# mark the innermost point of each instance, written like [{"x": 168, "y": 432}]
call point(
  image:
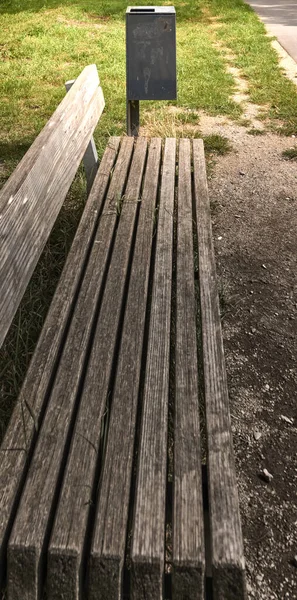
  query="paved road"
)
[{"x": 280, "y": 18}]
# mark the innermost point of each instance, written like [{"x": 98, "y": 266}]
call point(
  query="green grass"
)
[
  {"x": 255, "y": 131},
  {"x": 290, "y": 153},
  {"x": 42, "y": 48},
  {"x": 43, "y": 43},
  {"x": 244, "y": 35},
  {"x": 216, "y": 144}
]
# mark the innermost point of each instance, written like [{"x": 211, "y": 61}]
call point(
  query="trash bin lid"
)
[{"x": 160, "y": 10}]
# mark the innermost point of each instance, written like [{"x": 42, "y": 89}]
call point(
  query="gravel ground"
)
[{"x": 253, "y": 194}]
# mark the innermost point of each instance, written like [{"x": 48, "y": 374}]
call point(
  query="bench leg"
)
[{"x": 133, "y": 117}]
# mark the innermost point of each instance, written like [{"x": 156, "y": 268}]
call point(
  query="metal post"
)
[{"x": 133, "y": 117}]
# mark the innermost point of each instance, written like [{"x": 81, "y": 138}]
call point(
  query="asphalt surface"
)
[{"x": 280, "y": 18}]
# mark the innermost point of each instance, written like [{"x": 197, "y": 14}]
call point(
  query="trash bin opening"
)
[{"x": 142, "y": 10}]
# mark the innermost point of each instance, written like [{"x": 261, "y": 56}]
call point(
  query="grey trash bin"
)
[{"x": 150, "y": 56}]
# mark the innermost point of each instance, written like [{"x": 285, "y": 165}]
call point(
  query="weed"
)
[
  {"x": 290, "y": 153},
  {"x": 288, "y": 129},
  {"x": 224, "y": 298},
  {"x": 189, "y": 117},
  {"x": 119, "y": 204},
  {"x": 216, "y": 144},
  {"x": 214, "y": 206},
  {"x": 255, "y": 131},
  {"x": 243, "y": 122}
]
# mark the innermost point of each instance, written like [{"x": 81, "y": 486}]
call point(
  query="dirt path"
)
[{"x": 253, "y": 193}]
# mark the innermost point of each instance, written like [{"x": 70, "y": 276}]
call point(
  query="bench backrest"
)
[{"x": 31, "y": 199}]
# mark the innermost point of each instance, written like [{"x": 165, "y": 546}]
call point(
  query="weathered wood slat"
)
[
  {"x": 226, "y": 535},
  {"x": 108, "y": 547},
  {"x": 188, "y": 538},
  {"x": 31, "y": 199},
  {"x": 90, "y": 158},
  {"x": 25, "y": 422},
  {"x": 33, "y": 521},
  {"x": 149, "y": 517},
  {"x": 82, "y": 93},
  {"x": 70, "y": 529},
  {"x": 57, "y": 421}
]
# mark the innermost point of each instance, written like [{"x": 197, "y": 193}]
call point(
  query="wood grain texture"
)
[
  {"x": 73, "y": 412},
  {"x": 70, "y": 529},
  {"x": 90, "y": 157},
  {"x": 31, "y": 527},
  {"x": 226, "y": 536},
  {"x": 26, "y": 418},
  {"x": 188, "y": 538},
  {"x": 108, "y": 547},
  {"x": 149, "y": 516},
  {"x": 88, "y": 83},
  {"x": 33, "y": 196}
]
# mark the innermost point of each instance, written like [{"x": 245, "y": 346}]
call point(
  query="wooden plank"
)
[
  {"x": 226, "y": 536},
  {"x": 68, "y": 539},
  {"x": 21, "y": 433},
  {"x": 90, "y": 157},
  {"x": 33, "y": 196},
  {"x": 33, "y": 521},
  {"x": 188, "y": 535},
  {"x": 87, "y": 85},
  {"x": 108, "y": 547},
  {"x": 149, "y": 517}
]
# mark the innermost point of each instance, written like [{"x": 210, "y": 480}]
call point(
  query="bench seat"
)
[{"x": 103, "y": 466}]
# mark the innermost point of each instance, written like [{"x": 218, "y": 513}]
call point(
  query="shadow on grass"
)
[
  {"x": 10, "y": 155},
  {"x": 15, "y": 151},
  {"x": 186, "y": 9}
]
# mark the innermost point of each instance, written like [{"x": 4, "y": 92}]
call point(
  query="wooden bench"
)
[{"x": 101, "y": 480}]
